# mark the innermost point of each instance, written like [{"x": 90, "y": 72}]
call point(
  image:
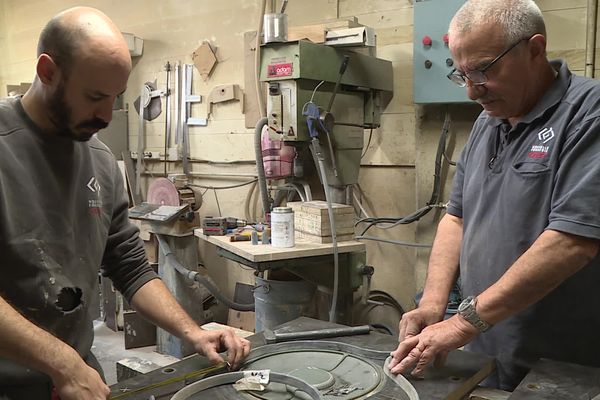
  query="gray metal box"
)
[{"x": 430, "y": 85}]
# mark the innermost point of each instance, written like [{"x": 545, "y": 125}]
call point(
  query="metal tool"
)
[
  {"x": 195, "y": 375},
  {"x": 277, "y": 337},
  {"x": 218, "y": 226}
]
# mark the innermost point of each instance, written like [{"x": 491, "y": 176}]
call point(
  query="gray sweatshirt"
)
[{"x": 63, "y": 215}]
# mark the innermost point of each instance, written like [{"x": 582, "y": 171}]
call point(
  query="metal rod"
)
[{"x": 168, "y": 111}]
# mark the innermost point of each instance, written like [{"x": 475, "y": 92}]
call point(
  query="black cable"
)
[
  {"x": 224, "y": 187},
  {"x": 398, "y": 242},
  {"x": 435, "y": 192},
  {"x": 385, "y": 297},
  {"x": 217, "y": 201},
  {"x": 368, "y": 144}
]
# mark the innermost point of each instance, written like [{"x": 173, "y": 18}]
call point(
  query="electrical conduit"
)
[{"x": 203, "y": 280}]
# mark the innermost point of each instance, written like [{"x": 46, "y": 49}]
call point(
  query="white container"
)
[
  {"x": 275, "y": 28},
  {"x": 282, "y": 227}
]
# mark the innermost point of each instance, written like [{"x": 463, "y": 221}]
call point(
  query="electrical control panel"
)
[{"x": 432, "y": 61}]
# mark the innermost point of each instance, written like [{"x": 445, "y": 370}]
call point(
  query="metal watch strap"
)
[{"x": 467, "y": 310}]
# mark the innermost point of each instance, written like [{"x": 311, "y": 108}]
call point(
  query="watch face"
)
[{"x": 466, "y": 303}]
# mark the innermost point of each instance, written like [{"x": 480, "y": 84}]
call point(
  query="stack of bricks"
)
[{"x": 311, "y": 221}]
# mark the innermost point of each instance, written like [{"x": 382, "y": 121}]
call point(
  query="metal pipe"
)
[
  {"x": 168, "y": 113},
  {"x": 205, "y": 175},
  {"x": 590, "y": 38}
]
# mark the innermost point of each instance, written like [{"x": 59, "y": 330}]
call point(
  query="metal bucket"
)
[
  {"x": 277, "y": 302},
  {"x": 275, "y": 27}
]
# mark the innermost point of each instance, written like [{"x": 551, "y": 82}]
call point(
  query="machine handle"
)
[
  {"x": 339, "y": 80},
  {"x": 277, "y": 337}
]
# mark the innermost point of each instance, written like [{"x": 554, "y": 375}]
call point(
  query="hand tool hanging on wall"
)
[
  {"x": 184, "y": 74},
  {"x": 168, "y": 116},
  {"x": 148, "y": 106}
]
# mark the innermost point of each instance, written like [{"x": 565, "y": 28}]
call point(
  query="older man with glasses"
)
[{"x": 522, "y": 227}]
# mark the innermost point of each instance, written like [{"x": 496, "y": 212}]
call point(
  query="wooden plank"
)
[
  {"x": 314, "y": 33},
  {"x": 264, "y": 252},
  {"x": 134, "y": 197},
  {"x": 251, "y": 109},
  {"x": 324, "y": 239},
  {"x": 551, "y": 5},
  {"x": 358, "y": 7}
]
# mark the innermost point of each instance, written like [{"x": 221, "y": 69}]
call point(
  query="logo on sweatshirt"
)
[
  {"x": 546, "y": 135},
  {"x": 95, "y": 202},
  {"x": 93, "y": 185},
  {"x": 541, "y": 150}
]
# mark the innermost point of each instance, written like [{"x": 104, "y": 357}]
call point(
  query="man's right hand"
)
[{"x": 79, "y": 381}]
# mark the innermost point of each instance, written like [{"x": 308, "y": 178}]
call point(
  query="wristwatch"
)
[{"x": 467, "y": 310}]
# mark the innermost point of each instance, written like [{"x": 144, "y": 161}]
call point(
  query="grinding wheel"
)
[{"x": 162, "y": 191}]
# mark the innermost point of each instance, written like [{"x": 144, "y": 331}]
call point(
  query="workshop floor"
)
[{"x": 108, "y": 347}]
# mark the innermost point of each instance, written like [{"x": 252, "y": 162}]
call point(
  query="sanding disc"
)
[{"x": 162, "y": 191}]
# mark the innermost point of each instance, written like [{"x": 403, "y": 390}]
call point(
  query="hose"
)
[
  {"x": 260, "y": 168},
  {"x": 320, "y": 160},
  {"x": 203, "y": 280}
]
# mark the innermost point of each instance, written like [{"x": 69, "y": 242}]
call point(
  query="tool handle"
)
[
  {"x": 321, "y": 333},
  {"x": 343, "y": 67}
]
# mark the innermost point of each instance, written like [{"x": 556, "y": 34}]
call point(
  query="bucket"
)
[{"x": 277, "y": 302}]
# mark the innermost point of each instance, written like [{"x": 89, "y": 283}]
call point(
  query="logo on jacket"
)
[
  {"x": 93, "y": 185},
  {"x": 94, "y": 204},
  {"x": 546, "y": 135},
  {"x": 539, "y": 150}
]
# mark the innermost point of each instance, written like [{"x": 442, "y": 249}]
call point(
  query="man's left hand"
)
[
  {"x": 210, "y": 343},
  {"x": 431, "y": 346}
]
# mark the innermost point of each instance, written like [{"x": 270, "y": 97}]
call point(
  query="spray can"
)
[{"x": 282, "y": 227}]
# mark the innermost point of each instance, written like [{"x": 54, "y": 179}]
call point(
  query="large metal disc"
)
[{"x": 162, "y": 191}]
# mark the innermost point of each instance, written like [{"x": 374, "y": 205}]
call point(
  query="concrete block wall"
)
[{"x": 397, "y": 170}]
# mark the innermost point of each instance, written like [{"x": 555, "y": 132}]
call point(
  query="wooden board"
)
[
  {"x": 323, "y": 239},
  {"x": 265, "y": 252},
  {"x": 251, "y": 108}
]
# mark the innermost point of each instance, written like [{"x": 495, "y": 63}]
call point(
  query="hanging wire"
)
[
  {"x": 224, "y": 187},
  {"x": 391, "y": 222}
]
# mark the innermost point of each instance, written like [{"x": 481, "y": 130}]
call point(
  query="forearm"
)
[
  {"x": 25, "y": 343},
  {"x": 552, "y": 258},
  {"x": 156, "y": 303},
  {"x": 443, "y": 263}
]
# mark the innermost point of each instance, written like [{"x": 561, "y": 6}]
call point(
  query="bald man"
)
[{"x": 63, "y": 214}]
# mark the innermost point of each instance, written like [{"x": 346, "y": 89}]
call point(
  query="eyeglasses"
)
[{"x": 478, "y": 76}]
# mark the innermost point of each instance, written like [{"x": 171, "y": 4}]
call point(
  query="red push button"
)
[
  {"x": 446, "y": 39},
  {"x": 426, "y": 40}
]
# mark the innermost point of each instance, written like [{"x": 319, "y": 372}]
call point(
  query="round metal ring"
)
[{"x": 232, "y": 377}]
